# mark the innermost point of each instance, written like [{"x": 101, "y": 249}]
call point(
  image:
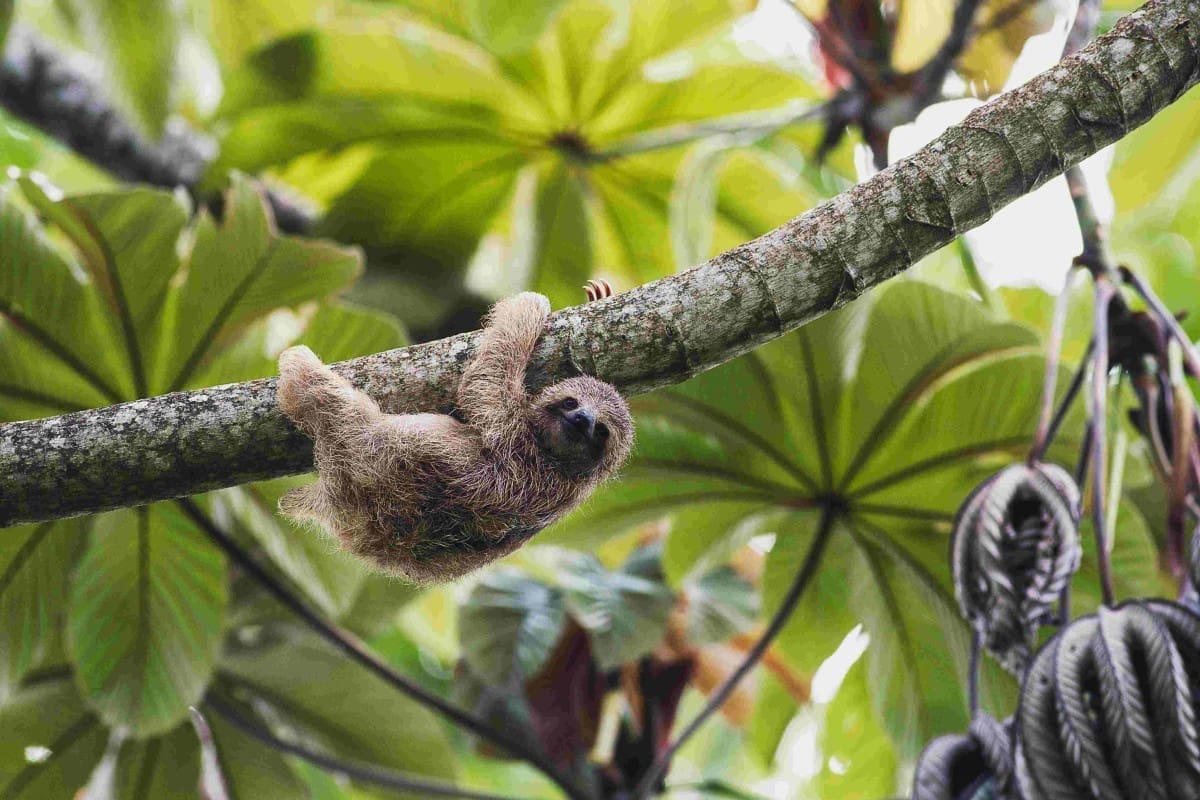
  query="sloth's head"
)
[{"x": 583, "y": 427}]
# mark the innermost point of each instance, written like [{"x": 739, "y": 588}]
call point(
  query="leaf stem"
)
[
  {"x": 742, "y": 128},
  {"x": 808, "y": 569},
  {"x": 360, "y": 653}
]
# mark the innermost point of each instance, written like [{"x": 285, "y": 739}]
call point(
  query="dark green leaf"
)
[
  {"x": 508, "y": 627},
  {"x": 625, "y": 615},
  {"x": 34, "y": 565},
  {"x": 49, "y": 742},
  {"x": 720, "y": 605}
]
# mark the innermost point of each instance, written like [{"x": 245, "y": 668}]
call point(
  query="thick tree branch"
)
[{"x": 665, "y": 331}]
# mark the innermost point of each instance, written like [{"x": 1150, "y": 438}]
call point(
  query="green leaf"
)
[
  {"x": 129, "y": 242},
  {"x": 625, "y": 615},
  {"x": 59, "y": 351},
  {"x": 561, "y": 242},
  {"x": 509, "y": 27},
  {"x": 6, "y": 13},
  {"x": 434, "y": 147},
  {"x": 49, "y": 742},
  {"x": 858, "y": 759},
  {"x": 145, "y": 617},
  {"x": 137, "y": 44},
  {"x": 34, "y": 564},
  {"x": 720, "y": 605},
  {"x": 508, "y": 627},
  {"x": 1151, "y": 159},
  {"x": 774, "y": 708},
  {"x": 1136, "y": 566},
  {"x": 328, "y": 702},
  {"x": 240, "y": 26},
  {"x": 166, "y": 767},
  {"x": 236, "y": 273}
]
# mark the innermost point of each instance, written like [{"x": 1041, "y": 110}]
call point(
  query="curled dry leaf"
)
[
  {"x": 975, "y": 764},
  {"x": 1015, "y": 548},
  {"x": 1109, "y": 707}
]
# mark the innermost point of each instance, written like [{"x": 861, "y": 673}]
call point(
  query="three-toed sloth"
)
[{"x": 430, "y": 497}]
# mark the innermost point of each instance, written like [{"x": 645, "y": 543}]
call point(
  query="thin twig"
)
[
  {"x": 366, "y": 773},
  {"x": 932, "y": 75},
  {"x": 717, "y": 699},
  {"x": 360, "y": 653}
]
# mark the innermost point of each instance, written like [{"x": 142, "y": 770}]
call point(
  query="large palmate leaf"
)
[
  {"x": 145, "y": 617},
  {"x": 429, "y": 133},
  {"x": 887, "y": 413}
]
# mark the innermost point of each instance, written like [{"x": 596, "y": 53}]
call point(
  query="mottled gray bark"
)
[{"x": 660, "y": 333}]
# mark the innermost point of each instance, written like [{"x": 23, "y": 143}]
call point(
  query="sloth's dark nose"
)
[{"x": 583, "y": 420}]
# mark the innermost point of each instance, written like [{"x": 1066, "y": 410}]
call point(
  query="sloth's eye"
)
[
  {"x": 570, "y": 404},
  {"x": 601, "y": 431}
]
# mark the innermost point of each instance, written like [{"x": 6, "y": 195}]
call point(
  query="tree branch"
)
[
  {"x": 660, "y": 333},
  {"x": 42, "y": 86}
]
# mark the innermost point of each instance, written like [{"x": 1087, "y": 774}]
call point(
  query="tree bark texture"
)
[{"x": 660, "y": 333}]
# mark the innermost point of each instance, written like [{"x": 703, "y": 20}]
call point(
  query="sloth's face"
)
[{"x": 583, "y": 427}]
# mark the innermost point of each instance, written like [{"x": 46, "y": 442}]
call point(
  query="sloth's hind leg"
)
[
  {"x": 307, "y": 503},
  {"x": 316, "y": 398}
]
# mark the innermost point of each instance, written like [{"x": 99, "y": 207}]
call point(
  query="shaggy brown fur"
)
[{"x": 432, "y": 498}]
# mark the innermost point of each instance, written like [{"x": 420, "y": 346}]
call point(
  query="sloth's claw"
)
[{"x": 598, "y": 289}]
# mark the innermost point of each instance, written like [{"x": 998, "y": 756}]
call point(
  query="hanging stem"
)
[
  {"x": 1181, "y": 464},
  {"x": 1105, "y": 292},
  {"x": 1053, "y": 351},
  {"x": 360, "y": 653},
  {"x": 807, "y": 570},
  {"x": 1069, "y": 398}
]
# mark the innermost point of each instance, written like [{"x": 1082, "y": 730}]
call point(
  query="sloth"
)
[{"x": 431, "y": 497}]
